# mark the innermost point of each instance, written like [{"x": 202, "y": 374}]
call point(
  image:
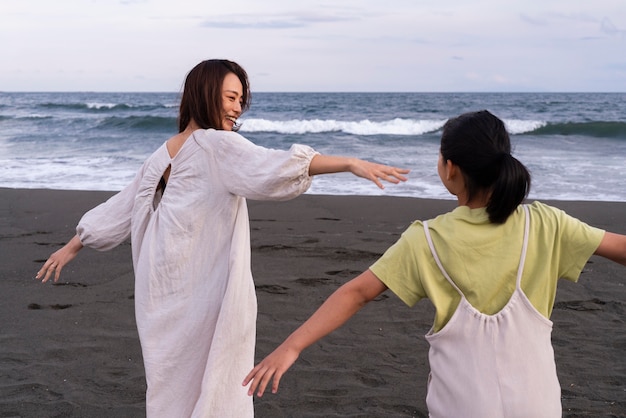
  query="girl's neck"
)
[{"x": 479, "y": 201}]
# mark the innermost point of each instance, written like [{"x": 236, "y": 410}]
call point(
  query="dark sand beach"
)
[{"x": 71, "y": 349}]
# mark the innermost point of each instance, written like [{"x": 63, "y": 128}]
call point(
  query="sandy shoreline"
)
[{"x": 71, "y": 349}]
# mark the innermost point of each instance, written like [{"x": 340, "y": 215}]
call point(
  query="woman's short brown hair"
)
[{"x": 202, "y": 95}]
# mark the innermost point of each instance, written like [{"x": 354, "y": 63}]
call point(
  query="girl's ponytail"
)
[
  {"x": 509, "y": 189},
  {"x": 479, "y": 144}
]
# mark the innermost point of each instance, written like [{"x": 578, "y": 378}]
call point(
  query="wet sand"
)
[{"x": 71, "y": 349}]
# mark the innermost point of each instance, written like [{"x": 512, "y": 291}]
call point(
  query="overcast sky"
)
[{"x": 308, "y": 45}]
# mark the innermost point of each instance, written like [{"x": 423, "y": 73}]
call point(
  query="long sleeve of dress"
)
[
  {"x": 259, "y": 173},
  {"x": 108, "y": 224}
]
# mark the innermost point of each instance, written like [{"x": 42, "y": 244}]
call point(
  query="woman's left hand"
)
[{"x": 377, "y": 172}]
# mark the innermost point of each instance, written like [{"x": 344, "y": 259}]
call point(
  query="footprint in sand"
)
[
  {"x": 57, "y": 306},
  {"x": 314, "y": 281},
  {"x": 272, "y": 288},
  {"x": 581, "y": 305}
]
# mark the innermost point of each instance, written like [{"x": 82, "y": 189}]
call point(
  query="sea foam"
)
[{"x": 364, "y": 127}]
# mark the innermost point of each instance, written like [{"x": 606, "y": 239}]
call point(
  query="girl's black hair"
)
[{"x": 479, "y": 144}]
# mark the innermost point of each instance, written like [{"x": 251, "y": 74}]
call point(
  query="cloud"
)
[
  {"x": 371, "y": 45},
  {"x": 557, "y": 18},
  {"x": 606, "y": 26},
  {"x": 533, "y": 20},
  {"x": 274, "y": 21},
  {"x": 617, "y": 66}
]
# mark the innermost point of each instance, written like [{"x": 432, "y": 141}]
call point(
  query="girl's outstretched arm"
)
[
  {"x": 613, "y": 247},
  {"x": 326, "y": 164},
  {"x": 334, "y": 312}
]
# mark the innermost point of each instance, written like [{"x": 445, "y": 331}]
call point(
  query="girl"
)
[
  {"x": 186, "y": 215},
  {"x": 490, "y": 268}
]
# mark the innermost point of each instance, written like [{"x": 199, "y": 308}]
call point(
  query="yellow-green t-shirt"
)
[{"x": 482, "y": 259}]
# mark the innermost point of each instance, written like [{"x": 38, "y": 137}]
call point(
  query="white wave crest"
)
[
  {"x": 95, "y": 105},
  {"x": 396, "y": 126},
  {"x": 518, "y": 126}
]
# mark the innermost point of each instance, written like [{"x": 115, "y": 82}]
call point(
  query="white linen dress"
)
[{"x": 195, "y": 302}]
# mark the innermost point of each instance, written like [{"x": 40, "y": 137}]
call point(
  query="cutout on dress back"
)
[{"x": 160, "y": 188}]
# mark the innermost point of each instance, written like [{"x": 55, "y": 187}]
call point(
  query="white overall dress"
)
[{"x": 493, "y": 366}]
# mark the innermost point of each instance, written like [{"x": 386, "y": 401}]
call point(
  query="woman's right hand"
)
[{"x": 58, "y": 260}]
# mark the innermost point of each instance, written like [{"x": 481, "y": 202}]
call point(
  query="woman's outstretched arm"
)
[
  {"x": 334, "y": 312},
  {"x": 327, "y": 164}
]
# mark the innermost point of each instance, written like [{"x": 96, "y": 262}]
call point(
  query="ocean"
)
[{"x": 573, "y": 143}]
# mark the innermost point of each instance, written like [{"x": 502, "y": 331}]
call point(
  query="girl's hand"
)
[
  {"x": 271, "y": 368},
  {"x": 334, "y": 312},
  {"x": 58, "y": 260}
]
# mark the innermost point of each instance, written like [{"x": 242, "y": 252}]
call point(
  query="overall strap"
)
[
  {"x": 522, "y": 260},
  {"x": 436, "y": 257}
]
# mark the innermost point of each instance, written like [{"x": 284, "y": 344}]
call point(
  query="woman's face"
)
[{"x": 232, "y": 97}]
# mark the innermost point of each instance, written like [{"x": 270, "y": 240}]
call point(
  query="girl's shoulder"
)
[
  {"x": 552, "y": 220},
  {"x": 543, "y": 213}
]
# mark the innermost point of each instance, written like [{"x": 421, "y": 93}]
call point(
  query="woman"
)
[
  {"x": 186, "y": 215},
  {"x": 490, "y": 268}
]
